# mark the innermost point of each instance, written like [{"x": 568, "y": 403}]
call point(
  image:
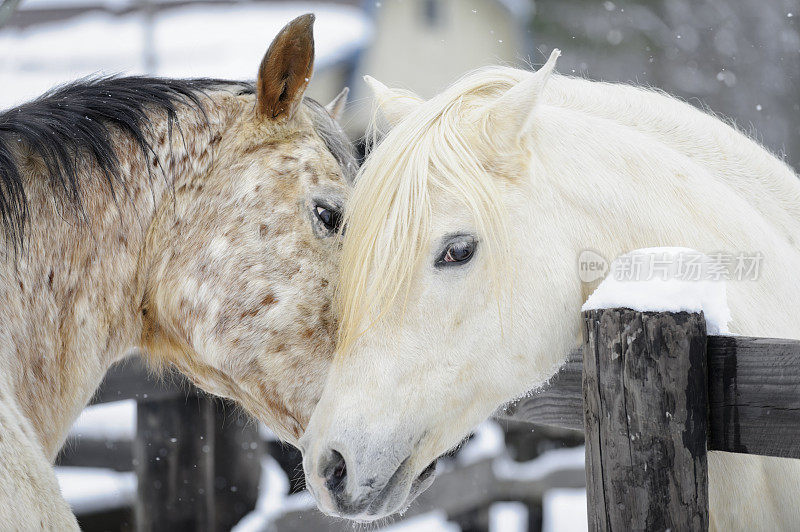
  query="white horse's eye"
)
[{"x": 457, "y": 252}]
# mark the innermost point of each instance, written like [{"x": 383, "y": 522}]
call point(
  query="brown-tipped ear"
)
[{"x": 286, "y": 69}]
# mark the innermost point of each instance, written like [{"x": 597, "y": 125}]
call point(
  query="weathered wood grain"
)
[
  {"x": 754, "y": 396},
  {"x": 559, "y": 403},
  {"x": 645, "y": 400}
]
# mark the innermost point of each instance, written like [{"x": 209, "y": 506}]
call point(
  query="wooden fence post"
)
[
  {"x": 173, "y": 456},
  {"x": 238, "y": 450},
  {"x": 194, "y": 473},
  {"x": 645, "y": 398}
]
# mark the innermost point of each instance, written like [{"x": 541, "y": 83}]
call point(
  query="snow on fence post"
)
[{"x": 646, "y": 419}]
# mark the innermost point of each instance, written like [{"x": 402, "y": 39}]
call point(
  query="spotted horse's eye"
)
[
  {"x": 331, "y": 218},
  {"x": 457, "y": 251}
]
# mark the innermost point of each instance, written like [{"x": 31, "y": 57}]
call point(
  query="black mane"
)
[{"x": 81, "y": 118}]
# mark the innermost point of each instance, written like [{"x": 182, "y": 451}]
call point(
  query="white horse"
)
[{"x": 459, "y": 286}]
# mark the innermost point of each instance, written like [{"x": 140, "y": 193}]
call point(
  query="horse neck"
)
[
  {"x": 714, "y": 147},
  {"x": 623, "y": 168},
  {"x": 73, "y": 300}
]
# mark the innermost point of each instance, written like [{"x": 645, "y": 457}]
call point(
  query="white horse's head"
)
[
  {"x": 459, "y": 284},
  {"x": 439, "y": 238}
]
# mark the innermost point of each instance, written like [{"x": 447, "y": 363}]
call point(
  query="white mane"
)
[
  {"x": 389, "y": 209},
  {"x": 709, "y": 142}
]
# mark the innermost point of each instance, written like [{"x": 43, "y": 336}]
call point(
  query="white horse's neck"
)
[
  {"x": 627, "y": 168},
  {"x": 724, "y": 152}
]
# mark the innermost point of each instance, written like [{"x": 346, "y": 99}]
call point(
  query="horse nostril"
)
[
  {"x": 428, "y": 471},
  {"x": 335, "y": 473}
]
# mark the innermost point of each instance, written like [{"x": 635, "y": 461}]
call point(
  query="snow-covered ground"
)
[
  {"x": 507, "y": 469},
  {"x": 89, "y": 489},
  {"x": 565, "y": 510},
  {"x": 224, "y": 41},
  {"x": 508, "y": 517},
  {"x": 110, "y": 5},
  {"x": 435, "y": 521}
]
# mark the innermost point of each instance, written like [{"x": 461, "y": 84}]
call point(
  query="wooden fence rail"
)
[{"x": 753, "y": 396}]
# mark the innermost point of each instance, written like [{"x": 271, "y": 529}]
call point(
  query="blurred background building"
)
[{"x": 739, "y": 59}]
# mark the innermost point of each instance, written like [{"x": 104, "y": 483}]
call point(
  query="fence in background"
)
[
  {"x": 197, "y": 459},
  {"x": 650, "y": 390},
  {"x": 197, "y": 463}
]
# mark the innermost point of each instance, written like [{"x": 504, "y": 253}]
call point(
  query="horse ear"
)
[
  {"x": 511, "y": 113},
  {"x": 286, "y": 69},
  {"x": 393, "y": 104},
  {"x": 336, "y": 107}
]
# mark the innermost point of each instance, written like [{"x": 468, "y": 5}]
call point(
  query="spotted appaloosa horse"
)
[
  {"x": 459, "y": 277},
  {"x": 193, "y": 220}
]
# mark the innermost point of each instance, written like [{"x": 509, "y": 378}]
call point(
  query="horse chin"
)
[{"x": 423, "y": 481}]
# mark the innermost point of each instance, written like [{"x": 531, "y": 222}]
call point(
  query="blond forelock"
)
[{"x": 443, "y": 147}]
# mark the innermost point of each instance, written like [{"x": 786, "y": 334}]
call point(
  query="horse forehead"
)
[
  {"x": 301, "y": 154},
  {"x": 449, "y": 211}
]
